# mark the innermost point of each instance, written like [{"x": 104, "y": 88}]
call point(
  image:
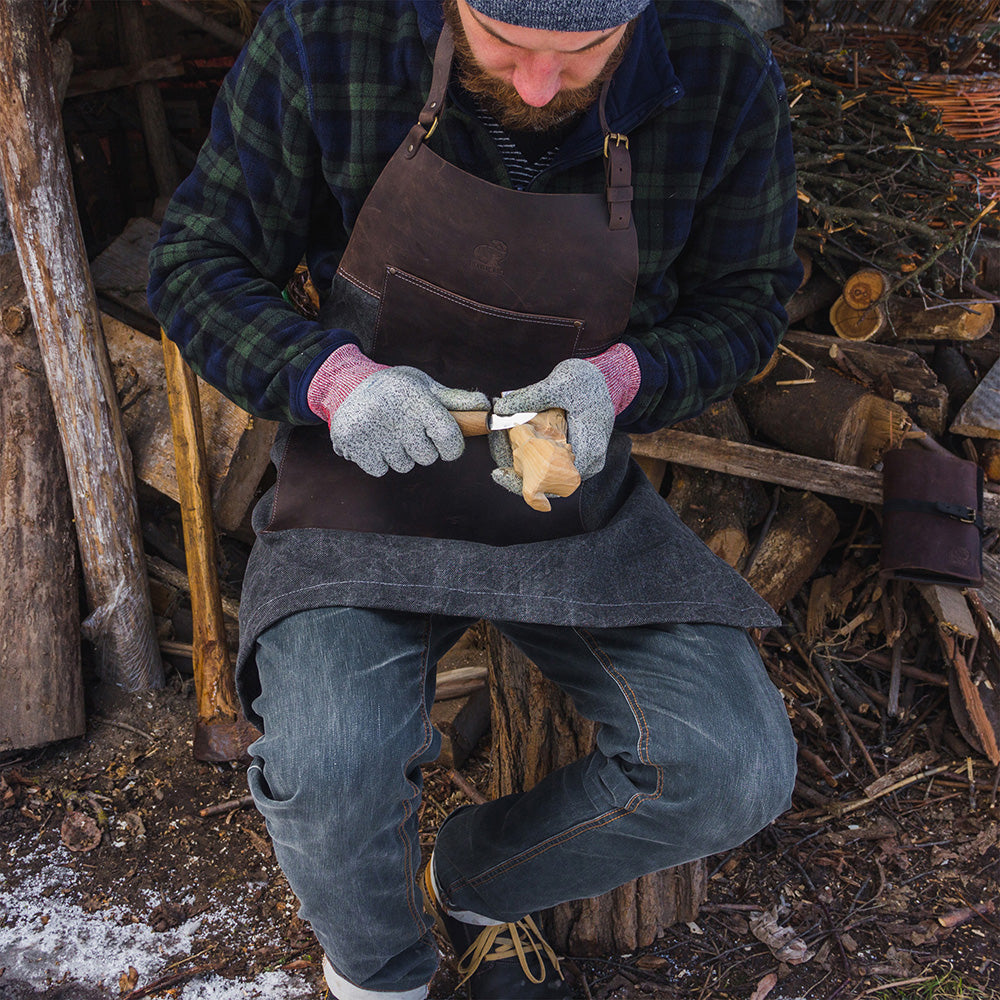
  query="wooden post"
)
[
  {"x": 41, "y": 687},
  {"x": 135, "y": 42},
  {"x": 37, "y": 182},
  {"x": 535, "y": 730}
]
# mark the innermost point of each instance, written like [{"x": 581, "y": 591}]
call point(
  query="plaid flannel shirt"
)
[{"x": 324, "y": 92}]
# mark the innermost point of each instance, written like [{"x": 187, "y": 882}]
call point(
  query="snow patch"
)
[{"x": 46, "y": 939}]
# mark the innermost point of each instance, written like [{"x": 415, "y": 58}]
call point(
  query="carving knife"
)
[{"x": 477, "y": 422}]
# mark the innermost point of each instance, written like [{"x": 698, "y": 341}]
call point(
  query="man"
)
[{"x": 587, "y": 206}]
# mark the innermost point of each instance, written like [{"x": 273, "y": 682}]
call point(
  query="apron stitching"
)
[
  {"x": 486, "y": 310},
  {"x": 357, "y": 282}
]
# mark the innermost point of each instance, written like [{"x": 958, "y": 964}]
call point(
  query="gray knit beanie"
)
[{"x": 561, "y": 15}]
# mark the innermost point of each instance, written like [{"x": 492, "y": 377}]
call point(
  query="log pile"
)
[{"x": 893, "y": 345}]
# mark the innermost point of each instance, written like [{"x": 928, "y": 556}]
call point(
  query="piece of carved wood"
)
[
  {"x": 535, "y": 730},
  {"x": 38, "y": 187},
  {"x": 221, "y": 732},
  {"x": 543, "y": 458},
  {"x": 41, "y": 685}
]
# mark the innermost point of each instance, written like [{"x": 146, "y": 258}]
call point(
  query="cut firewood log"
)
[
  {"x": 815, "y": 295},
  {"x": 237, "y": 445},
  {"x": 799, "y": 537},
  {"x": 951, "y": 367},
  {"x": 950, "y": 609},
  {"x": 980, "y": 415},
  {"x": 883, "y": 368},
  {"x": 910, "y": 320},
  {"x": 857, "y": 324},
  {"x": 824, "y": 415},
  {"x": 718, "y": 508},
  {"x": 975, "y": 702},
  {"x": 858, "y": 314},
  {"x": 864, "y": 288}
]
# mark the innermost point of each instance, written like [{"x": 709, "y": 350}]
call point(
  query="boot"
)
[{"x": 501, "y": 961}]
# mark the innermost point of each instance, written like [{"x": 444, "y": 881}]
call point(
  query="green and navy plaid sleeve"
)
[
  {"x": 710, "y": 318},
  {"x": 236, "y": 229}
]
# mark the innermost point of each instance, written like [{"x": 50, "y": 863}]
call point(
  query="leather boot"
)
[{"x": 501, "y": 961}]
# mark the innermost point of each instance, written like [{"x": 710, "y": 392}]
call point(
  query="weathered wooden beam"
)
[
  {"x": 97, "y": 81},
  {"x": 46, "y": 229},
  {"x": 773, "y": 466},
  {"x": 204, "y": 21},
  {"x": 41, "y": 684}
]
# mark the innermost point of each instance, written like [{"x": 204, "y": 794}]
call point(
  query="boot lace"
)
[{"x": 498, "y": 942}]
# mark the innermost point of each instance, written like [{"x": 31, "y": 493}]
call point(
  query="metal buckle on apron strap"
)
[{"x": 618, "y": 138}]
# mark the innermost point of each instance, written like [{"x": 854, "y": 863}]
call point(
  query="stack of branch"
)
[{"x": 881, "y": 184}]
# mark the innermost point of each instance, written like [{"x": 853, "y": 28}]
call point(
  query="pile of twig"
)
[{"x": 882, "y": 185}]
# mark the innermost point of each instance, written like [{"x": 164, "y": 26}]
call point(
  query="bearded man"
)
[{"x": 506, "y": 206}]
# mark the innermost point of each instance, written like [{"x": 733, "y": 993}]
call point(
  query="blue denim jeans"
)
[{"x": 694, "y": 755}]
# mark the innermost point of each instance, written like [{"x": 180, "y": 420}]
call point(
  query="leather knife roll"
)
[{"x": 932, "y": 521}]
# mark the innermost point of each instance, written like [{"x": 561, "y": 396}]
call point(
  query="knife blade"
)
[{"x": 477, "y": 422}]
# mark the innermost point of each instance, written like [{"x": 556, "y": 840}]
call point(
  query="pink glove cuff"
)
[
  {"x": 620, "y": 368},
  {"x": 338, "y": 376}
]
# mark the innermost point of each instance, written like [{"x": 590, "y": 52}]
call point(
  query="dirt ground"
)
[{"x": 114, "y": 885}]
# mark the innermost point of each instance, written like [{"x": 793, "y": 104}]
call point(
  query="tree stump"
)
[
  {"x": 535, "y": 730},
  {"x": 41, "y": 688}
]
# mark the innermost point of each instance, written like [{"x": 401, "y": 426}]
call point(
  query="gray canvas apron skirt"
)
[{"x": 481, "y": 287}]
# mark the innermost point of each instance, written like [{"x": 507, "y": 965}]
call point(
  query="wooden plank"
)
[
  {"x": 950, "y": 608},
  {"x": 36, "y": 179},
  {"x": 773, "y": 466},
  {"x": 980, "y": 415},
  {"x": 121, "y": 273},
  {"x": 237, "y": 445}
]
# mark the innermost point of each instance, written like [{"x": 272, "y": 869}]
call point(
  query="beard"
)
[{"x": 502, "y": 100}]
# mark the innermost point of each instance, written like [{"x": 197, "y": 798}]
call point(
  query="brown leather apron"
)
[{"x": 481, "y": 287}]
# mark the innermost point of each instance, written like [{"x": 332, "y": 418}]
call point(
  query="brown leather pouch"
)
[{"x": 932, "y": 518}]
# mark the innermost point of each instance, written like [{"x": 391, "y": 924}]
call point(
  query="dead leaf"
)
[
  {"x": 783, "y": 943},
  {"x": 7, "y": 796},
  {"x": 765, "y": 986},
  {"x": 166, "y": 916},
  {"x": 643, "y": 962},
  {"x": 79, "y": 832},
  {"x": 127, "y": 980}
]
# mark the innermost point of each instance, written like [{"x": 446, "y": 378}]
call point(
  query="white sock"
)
[{"x": 465, "y": 916}]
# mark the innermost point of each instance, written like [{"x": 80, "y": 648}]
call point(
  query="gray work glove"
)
[
  {"x": 579, "y": 388},
  {"x": 398, "y": 418}
]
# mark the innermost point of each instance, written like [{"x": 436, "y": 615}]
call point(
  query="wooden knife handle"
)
[{"x": 472, "y": 422}]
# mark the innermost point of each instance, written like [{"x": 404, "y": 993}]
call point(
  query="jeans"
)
[{"x": 694, "y": 754}]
